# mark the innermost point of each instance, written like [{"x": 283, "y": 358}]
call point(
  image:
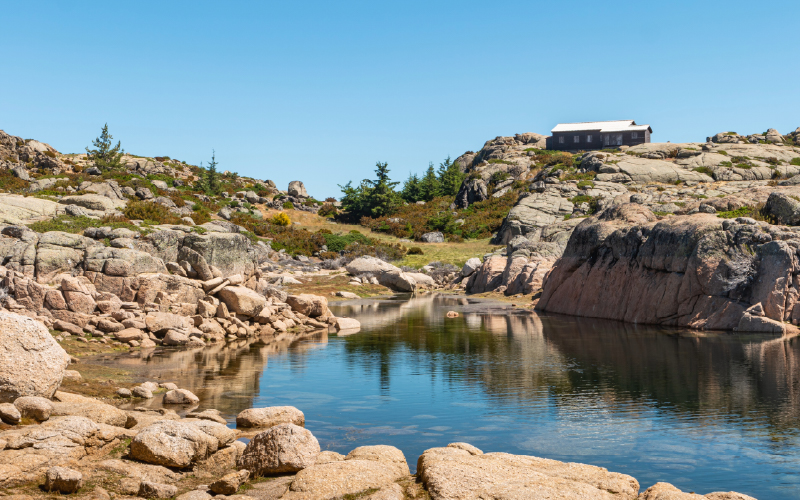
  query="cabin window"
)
[
  {"x": 561, "y": 140},
  {"x": 634, "y": 135},
  {"x": 589, "y": 138},
  {"x": 577, "y": 138}
]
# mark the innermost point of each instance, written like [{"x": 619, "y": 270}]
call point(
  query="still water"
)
[{"x": 705, "y": 412}]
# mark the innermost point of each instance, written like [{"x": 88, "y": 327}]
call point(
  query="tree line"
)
[{"x": 378, "y": 197}]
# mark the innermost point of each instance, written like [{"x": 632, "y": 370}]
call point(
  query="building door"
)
[
  {"x": 607, "y": 140},
  {"x": 618, "y": 138}
]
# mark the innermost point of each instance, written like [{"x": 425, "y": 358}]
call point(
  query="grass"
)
[
  {"x": 795, "y": 162},
  {"x": 325, "y": 284},
  {"x": 456, "y": 254}
]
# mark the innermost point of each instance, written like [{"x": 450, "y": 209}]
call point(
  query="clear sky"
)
[{"x": 320, "y": 91}]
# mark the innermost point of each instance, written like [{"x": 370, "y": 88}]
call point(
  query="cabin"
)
[{"x": 587, "y": 136}]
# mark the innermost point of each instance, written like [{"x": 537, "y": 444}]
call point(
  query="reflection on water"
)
[{"x": 706, "y": 412}]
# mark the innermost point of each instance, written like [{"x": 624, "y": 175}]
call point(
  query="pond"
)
[{"x": 703, "y": 411}]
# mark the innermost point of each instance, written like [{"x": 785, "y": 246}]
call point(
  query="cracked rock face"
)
[{"x": 697, "y": 271}]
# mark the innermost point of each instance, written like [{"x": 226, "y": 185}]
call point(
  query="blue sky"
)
[{"x": 320, "y": 91}]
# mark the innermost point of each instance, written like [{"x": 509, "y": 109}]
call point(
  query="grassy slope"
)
[{"x": 452, "y": 253}]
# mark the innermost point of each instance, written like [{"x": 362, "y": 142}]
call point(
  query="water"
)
[{"x": 705, "y": 412}]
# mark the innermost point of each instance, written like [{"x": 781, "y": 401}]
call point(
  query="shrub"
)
[
  {"x": 755, "y": 212},
  {"x": 327, "y": 210},
  {"x": 338, "y": 242},
  {"x": 11, "y": 183},
  {"x": 75, "y": 225},
  {"x": 281, "y": 219},
  {"x": 200, "y": 216},
  {"x": 49, "y": 153},
  {"x": 415, "y": 251},
  {"x": 795, "y": 162},
  {"x": 576, "y": 176},
  {"x": 585, "y": 184},
  {"x": 481, "y": 219},
  {"x": 704, "y": 170},
  {"x": 330, "y": 200},
  {"x": 288, "y": 205},
  {"x": 577, "y": 200},
  {"x": 772, "y": 160},
  {"x": 150, "y": 212}
]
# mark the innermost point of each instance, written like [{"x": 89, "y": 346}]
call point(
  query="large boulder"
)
[
  {"x": 364, "y": 469},
  {"x": 270, "y": 417},
  {"x": 433, "y": 237},
  {"x": 282, "y": 448},
  {"x": 34, "y": 407},
  {"x": 242, "y": 300},
  {"x": 453, "y": 473},
  {"x": 92, "y": 202},
  {"x": 63, "y": 480},
  {"x": 368, "y": 264},
  {"x": 160, "y": 322},
  {"x": 666, "y": 491},
  {"x": 31, "y": 361},
  {"x": 471, "y": 191},
  {"x": 231, "y": 253},
  {"x": 308, "y": 304},
  {"x": 297, "y": 189},
  {"x": 783, "y": 208},
  {"x": 398, "y": 281},
  {"x": 66, "y": 404},
  {"x": 172, "y": 444}
]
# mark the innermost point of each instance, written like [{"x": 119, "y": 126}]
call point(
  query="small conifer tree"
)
[{"x": 105, "y": 156}]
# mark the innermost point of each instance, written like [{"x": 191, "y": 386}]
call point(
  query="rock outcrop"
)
[
  {"x": 453, "y": 473},
  {"x": 696, "y": 271}
]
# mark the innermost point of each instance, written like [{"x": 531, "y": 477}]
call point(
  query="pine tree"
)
[
  {"x": 105, "y": 156},
  {"x": 450, "y": 178},
  {"x": 382, "y": 199},
  {"x": 429, "y": 184},
  {"x": 212, "y": 178},
  {"x": 411, "y": 192}
]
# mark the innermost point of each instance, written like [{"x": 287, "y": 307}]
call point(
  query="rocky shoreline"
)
[{"x": 85, "y": 448}]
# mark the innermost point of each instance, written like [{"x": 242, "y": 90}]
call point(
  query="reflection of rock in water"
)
[
  {"x": 748, "y": 375},
  {"x": 223, "y": 376},
  {"x": 375, "y": 314}
]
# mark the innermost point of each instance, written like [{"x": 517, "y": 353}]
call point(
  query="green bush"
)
[
  {"x": 338, "y": 242},
  {"x": 288, "y": 205},
  {"x": 795, "y": 162},
  {"x": 585, "y": 184},
  {"x": 415, "y": 251}
]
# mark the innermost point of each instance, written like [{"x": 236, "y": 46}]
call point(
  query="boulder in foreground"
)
[
  {"x": 282, "y": 448},
  {"x": 454, "y": 473},
  {"x": 172, "y": 444},
  {"x": 31, "y": 361}
]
